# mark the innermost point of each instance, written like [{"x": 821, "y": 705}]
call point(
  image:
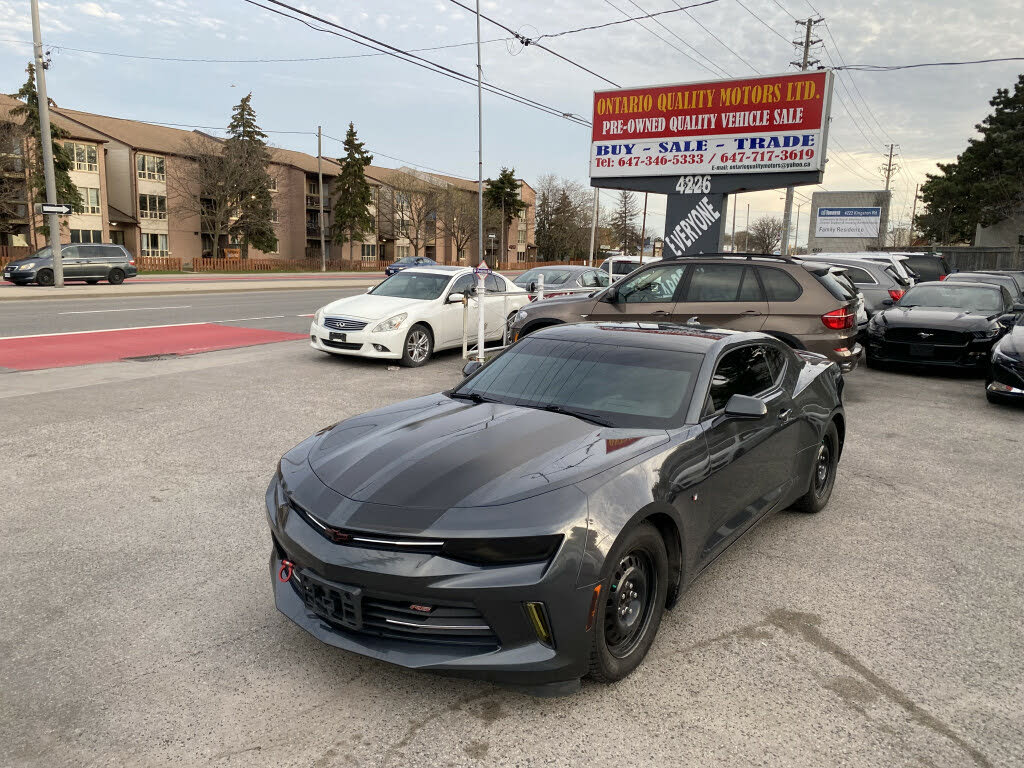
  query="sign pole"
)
[
  {"x": 46, "y": 145},
  {"x": 643, "y": 231},
  {"x": 320, "y": 186},
  {"x": 479, "y": 142},
  {"x": 593, "y": 226}
]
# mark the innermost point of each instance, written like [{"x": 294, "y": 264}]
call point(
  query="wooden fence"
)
[
  {"x": 968, "y": 258},
  {"x": 9, "y": 253},
  {"x": 158, "y": 263}
]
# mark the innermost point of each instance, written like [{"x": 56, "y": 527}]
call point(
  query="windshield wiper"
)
[
  {"x": 584, "y": 415},
  {"x": 476, "y": 397}
]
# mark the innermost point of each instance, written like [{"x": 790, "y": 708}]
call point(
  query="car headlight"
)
[
  {"x": 989, "y": 333},
  {"x": 502, "y": 551},
  {"x": 318, "y": 317},
  {"x": 391, "y": 324},
  {"x": 521, "y": 314},
  {"x": 30, "y": 265}
]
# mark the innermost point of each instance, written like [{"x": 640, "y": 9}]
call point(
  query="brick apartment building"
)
[{"x": 126, "y": 171}]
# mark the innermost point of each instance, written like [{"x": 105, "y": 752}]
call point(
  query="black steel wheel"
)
[
  {"x": 823, "y": 473},
  {"x": 116, "y": 276},
  {"x": 44, "y": 277},
  {"x": 632, "y": 603}
]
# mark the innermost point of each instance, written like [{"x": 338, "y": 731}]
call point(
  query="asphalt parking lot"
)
[{"x": 138, "y": 627}]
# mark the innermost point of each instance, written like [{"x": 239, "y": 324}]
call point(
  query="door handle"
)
[
  {"x": 661, "y": 313},
  {"x": 752, "y": 312}
]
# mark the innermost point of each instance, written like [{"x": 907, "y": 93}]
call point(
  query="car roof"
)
[
  {"x": 977, "y": 273},
  {"x": 439, "y": 269},
  {"x": 699, "y": 339},
  {"x": 960, "y": 283},
  {"x": 570, "y": 267}
]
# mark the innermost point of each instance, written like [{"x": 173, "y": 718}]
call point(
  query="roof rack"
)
[{"x": 745, "y": 256}]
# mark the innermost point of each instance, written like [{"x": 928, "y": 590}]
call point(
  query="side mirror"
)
[
  {"x": 610, "y": 296},
  {"x": 471, "y": 367},
  {"x": 369, "y": 289},
  {"x": 1018, "y": 307},
  {"x": 455, "y": 298},
  {"x": 887, "y": 302},
  {"x": 533, "y": 287},
  {"x": 745, "y": 407}
]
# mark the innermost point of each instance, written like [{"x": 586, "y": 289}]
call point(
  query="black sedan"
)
[
  {"x": 948, "y": 323},
  {"x": 1005, "y": 382},
  {"x": 408, "y": 262},
  {"x": 531, "y": 525}
]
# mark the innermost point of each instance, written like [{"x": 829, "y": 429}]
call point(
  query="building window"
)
[
  {"x": 86, "y": 236},
  {"x": 84, "y": 156},
  {"x": 522, "y": 236},
  {"x": 150, "y": 167},
  {"x": 401, "y": 251},
  {"x": 462, "y": 254},
  {"x": 152, "y": 207},
  {"x": 90, "y": 200},
  {"x": 369, "y": 252},
  {"x": 272, "y": 186},
  {"x": 312, "y": 188},
  {"x": 273, "y": 216},
  {"x": 154, "y": 244}
]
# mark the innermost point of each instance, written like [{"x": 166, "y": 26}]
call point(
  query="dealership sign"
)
[
  {"x": 770, "y": 124},
  {"x": 847, "y": 222}
]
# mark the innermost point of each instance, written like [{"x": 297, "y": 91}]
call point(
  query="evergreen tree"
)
[
  {"x": 352, "y": 217},
  {"x": 63, "y": 162},
  {"x": 502, "y": 196},
  {"x": 246, "y": 150},
  {"x": 986, "y": 182},
  {"x": 623, "y": 223}
]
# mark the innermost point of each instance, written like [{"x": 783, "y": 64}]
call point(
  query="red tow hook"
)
[{"x": 285, "y": 573}]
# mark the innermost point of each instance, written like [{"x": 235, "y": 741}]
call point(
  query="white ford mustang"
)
[{"x": 414, "y": 313}]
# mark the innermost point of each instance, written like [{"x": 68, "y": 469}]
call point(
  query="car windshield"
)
[
  {"x": 974, "y": 298},
  {"x": 975, "y": 277},
  {"x": 551, "y": 277},
  {"x": 412, "y": 285},
  {"x": 619, "y": 267},
  {"x": 613, "y": 385},
  {"x": 42, "y": 253}
]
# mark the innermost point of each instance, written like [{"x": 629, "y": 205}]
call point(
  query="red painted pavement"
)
[{"x": 37, "y": 352}]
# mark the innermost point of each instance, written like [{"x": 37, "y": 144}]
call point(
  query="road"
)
[
  {"x": 138, "y": 627},
  {"x": 276, "y": 310}
]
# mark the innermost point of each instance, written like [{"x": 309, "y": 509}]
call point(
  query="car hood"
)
[
  {"x": 934, "y": 317},
  {"x": 1012, "y": 344},
  {"x": 366, "y": 306},
  {"x": 439, "y": 453},
  {"x": 19, "y": 262},
  {"x": 571, "y": 303}
]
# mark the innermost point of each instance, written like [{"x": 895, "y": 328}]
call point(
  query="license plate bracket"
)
[
  {"x": 338, "y": 603},
  {"x": 922, "y": 350},
  {"x": 338, "y": 336}
]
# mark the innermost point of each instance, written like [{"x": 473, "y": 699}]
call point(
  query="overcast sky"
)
[{"x": 429, "y": 120}]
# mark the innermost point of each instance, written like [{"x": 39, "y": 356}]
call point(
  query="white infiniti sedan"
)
[{"x": 414, "y": 313}]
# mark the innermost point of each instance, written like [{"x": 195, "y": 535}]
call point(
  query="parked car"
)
[
  {"x": 928, "y": 266},
  {"x": 994, "y": 278},
  {"x": 1005, "y": 380},
  {"x": 802, "y": 303},
  {"x": 1016, "y": 274},
  {"x": 532, "y": 524},
  {"x": 407, "y": 262},
  {"x": 558, "y": 279},
  {"x": 618, "y": 267},
  {"x": 899, "y": 262},
  {"x": 90, "y": 262},
  {"x": 878, "y": 282},
  {"x": 948, "y": 323},
  {"x": 413, "y": 314}
]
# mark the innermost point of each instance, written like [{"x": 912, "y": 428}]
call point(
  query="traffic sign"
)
[
  {"x": 482, "y": 269},
  {"x": 61, "y": 209}
]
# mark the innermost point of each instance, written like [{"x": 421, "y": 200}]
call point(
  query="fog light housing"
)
[
  {"x": 381, "y": 348},
  {"x": 998, "y": 386},
  {"x": 537, "y": 615}
]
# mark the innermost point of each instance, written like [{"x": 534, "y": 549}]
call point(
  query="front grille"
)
[
  {"x": 927, "y": 336},
  {"x": 340, "y": 344},
  {"x": 923, "y": 352},
  {"x": 352, "y": 609},
  {"x": 343, "y": 324}
]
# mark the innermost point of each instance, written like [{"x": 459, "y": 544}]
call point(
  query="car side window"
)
[
  {"x": 858, "y": 276},
  {"x": 590, "y": 280},
  {"x": 1007, "y": 298},
  {"x": 715, "y": 282},
  {"x": 464, "y": 284},
  {"x": 656, "y": 285},
  {"x": 743, "y": 371},
  {"x": 777, "y": 362},
  {"x": 70, "y": 252},
  {"x": 750, "y": 288},
  {"x": 779, "y": 286},
  {"x": 603, "y": 280},
  {"x": 492, "y": 285}
]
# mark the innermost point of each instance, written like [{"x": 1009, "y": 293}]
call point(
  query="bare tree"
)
[
  {"x": 765, "y": 235},
  {"x": 407, "y": 206},
  {"x": 457, "y": 214}
]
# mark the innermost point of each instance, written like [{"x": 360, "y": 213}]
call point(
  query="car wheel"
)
[
  {"x": 823, "y": 473},
  {"x": 509, "y": 322},
  {"x": 418, "y": 346},
  {"x": 116, "y": 276},
  {"x": 44, "y": 277},
  {"x": 632, "y": 602},
  {"x": 93, "y": 281}
]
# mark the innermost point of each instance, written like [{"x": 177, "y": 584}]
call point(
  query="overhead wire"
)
[
  {"x": 661, "y": 24},
  {"x": 716, "y": 37},
  {"x": 622, "y": 21}
]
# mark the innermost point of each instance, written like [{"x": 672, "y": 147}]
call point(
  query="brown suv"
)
[{"x": 808, "y": 305}]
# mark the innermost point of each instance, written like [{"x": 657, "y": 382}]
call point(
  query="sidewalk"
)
[{"x": 158, "y": 285}]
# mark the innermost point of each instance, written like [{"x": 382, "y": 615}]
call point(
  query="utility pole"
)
[
  {"x": 320, "y": 186},
  {"x": 746, "y": 232},
  {"x": 593, "y": 225},
  {"x": 888, "y": 168},
  {"x": 479, "y": 144},
  {"x": 913, "y": 215},
  {"x": 796, "y": 229},
  {"x": 733, "y": 236},
  {"x": 643, "y": 232},
  {"x": 502, "y": 253},
  {"x": 787, "y": 215},
  {"x": 46, "y": 142}
]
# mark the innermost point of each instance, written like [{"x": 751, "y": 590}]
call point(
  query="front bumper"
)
[
  {"x": 1006, "y": 377},
  {"x": 971, "y": 356},
  {"x": 19, "y": 276},
  {"x": 847, "y": 353},
  {"x": 364, "y": 343},
  {"x": 381, "y": 588}
]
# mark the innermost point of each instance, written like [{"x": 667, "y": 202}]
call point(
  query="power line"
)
[
  {"x": 396, "y": 159},
  {"x": 762, "y": 21},
  {"x": 618, "y": 21},
  {"x": 892, "y": 67},
  {"x": 410, "y": 58},
  {"x": 527, "y": 41},
  {"x": 716, "y": 37},
  {"x": 684, "y": 42},
  {"x": 668, "y": 43},
  {"x": 786, "y": 11}
]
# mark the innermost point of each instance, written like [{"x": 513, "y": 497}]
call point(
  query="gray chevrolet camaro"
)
[{"x": 531, "y": 525}]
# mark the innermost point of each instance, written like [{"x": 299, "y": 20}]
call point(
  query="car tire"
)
[
  {"x": 116, "y": 276},
  {"x": 626, "y": 622},
  {"x": 418, "y": 346},
  {"x": 874, "y": 363},
  {"x": 44, "y": 277},
  {"x": 823, "y": 474},
  {"x": 93, "y": 281}
]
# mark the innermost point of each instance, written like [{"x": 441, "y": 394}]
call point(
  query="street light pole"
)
[
  {"x": 46, "y": 146},
  {"x": 479, "y": 143},
  {"x": 320, "y": 188}
]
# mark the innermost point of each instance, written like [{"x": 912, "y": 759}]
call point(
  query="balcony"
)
[
  {"x": 313, "y": 201},
  {"x": 312, "y": 230}
]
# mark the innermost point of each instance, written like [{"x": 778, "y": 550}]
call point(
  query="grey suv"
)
[
  {"x": 809, "y": 306},
  {"x": 90, "y": 262},
  {"x": 879, "y": 283}
]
